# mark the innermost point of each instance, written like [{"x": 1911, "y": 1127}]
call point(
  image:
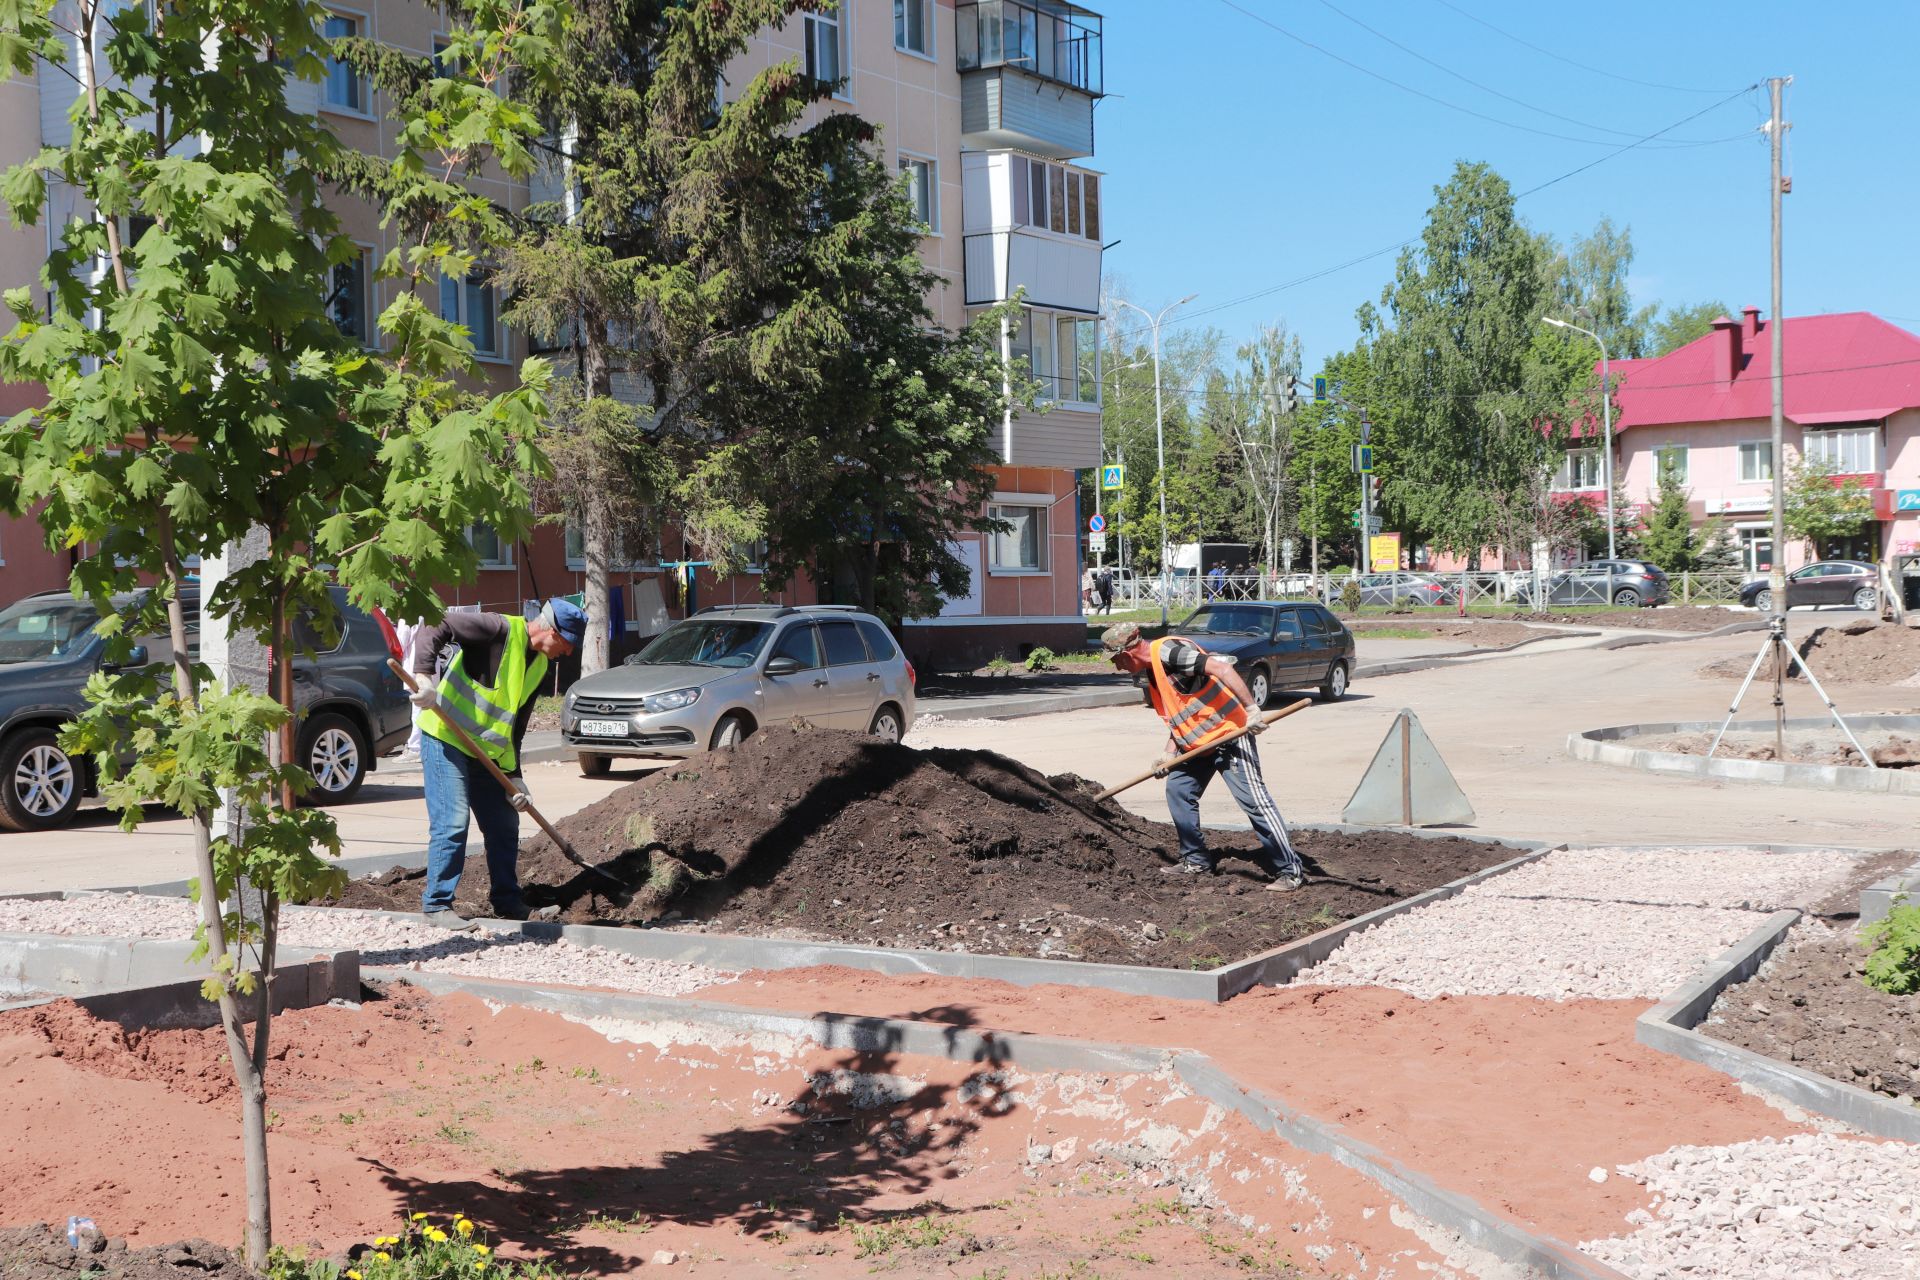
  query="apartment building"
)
[{"x": 986, "y": 107}]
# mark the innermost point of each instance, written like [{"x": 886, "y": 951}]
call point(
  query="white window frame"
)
[
  {"x": 1047, "y": 364},
  {"x": 1038, "y": 508},
  {"x": 1070, "y": 360},
  {"x": 929, "y": 13},
  {"x": 619, "y": 564},
  {"x": 1815, "y": 446},
  {"x": 1564, "y": 477},
  {"x": 1074, "y": 183},
  {"x": 504, "y": 557},
  {"x": 1660, "y": 466},
  {"x": 370, "y": 340},
  {"x": 363, "y": 26},
  {"x": 498, "y": 354},
  {"x": 810, "y": 34},
  {"x": 910, "y": 160},
  {"x": 1752, "y": 451}
]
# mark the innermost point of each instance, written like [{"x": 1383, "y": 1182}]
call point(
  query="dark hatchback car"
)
[
  {"x": 1845, "y": 582},
  {"x": 352, "y": 707},
  {"x": 1628, "y": 584},
  {"x": 1287, "y": 645}
]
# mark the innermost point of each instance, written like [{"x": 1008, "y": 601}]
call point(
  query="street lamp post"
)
[
  {"x": 1606, "y": 419},
  {"x": 1160, "y": 435},
  {"x": 1100, "y": 480}
]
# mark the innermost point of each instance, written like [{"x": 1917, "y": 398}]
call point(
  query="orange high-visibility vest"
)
[{"x": 1207, "y": 715}]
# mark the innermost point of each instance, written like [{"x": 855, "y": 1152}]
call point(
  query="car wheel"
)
[
  {"x": 1866, "y": 598},
  {"x": 39, "y": 782},
  {"x": 1627, "y": 598},
  {"x": 732, "y": 730},
  {"x": 1259, "y": 687},
  {"x": 1764, "y": 601},
  {"x": 334, "y": 751},
  {"x": 887, "y": 724},
  {"x": 594, "y": 764},
  {"x": 1336, "y": 686}
]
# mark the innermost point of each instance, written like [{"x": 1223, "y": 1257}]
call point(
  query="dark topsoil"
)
[
  {"x": 41, "y": 1252},
  {"x": 1662, "y": 618},
  {"x": 1862, "y": 651},
  {"x": 841, "y": 837}
]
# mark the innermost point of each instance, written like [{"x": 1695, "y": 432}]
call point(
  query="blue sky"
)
[{"x": 1240, "y": 159}]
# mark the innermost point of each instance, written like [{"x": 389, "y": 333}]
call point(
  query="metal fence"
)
[{"x": 1484, "y": 591}]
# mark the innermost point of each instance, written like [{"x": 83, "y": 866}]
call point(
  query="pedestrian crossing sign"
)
[{"x": 1113, "y": 477}]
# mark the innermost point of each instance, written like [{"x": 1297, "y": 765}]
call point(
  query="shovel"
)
[
  {"x": 1160, "y": 771},
  {"x": 621, "y": 897}
]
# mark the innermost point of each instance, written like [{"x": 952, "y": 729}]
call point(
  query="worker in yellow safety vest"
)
[
  {"x": 488, "y": 690},
  {"x": 1203, "y": 700}
]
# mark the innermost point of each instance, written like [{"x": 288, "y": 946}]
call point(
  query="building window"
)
[
  {"x": 1077, "y": 347},
  {"x": 472, "y": 303},
  {"x": 1056, "y": 197},
  {"x": 350, "y": 299},
  {"x": 923, "y": 188},
  {"x": 1756, "y": 461},
  {"x": 575, "y": 543},
  {"x": 1670, "y": 464},
  {"x": 494, "y": 552},
  {"x": 1579, "y": 469},
  {"x": 444, "y": 67},
  {"x": 913, "y": 26},
  {"x": 346, "y": 89},
  {"x": 1853, "y": 452},
  {"x": 1022, "y": 544},
  {"x": 826, "y": 47},
  {"x": 1756, "y": 549}
]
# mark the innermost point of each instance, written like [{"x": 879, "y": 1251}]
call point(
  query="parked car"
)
[
  {"x": 1401, "y": 588},
  {"x": 1626, "y": 583},
  {"x": 709, "y": 681},
  {"x": 1288, "y": 645},
  {"x": 1843, "y": 582},
  {"x": 353, "y": 709}
]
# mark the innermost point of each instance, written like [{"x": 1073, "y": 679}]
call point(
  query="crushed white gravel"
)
[
  {"x": 382, "y": 941},
  {"x": 1610, "y": 924},
  {"x": 1774, "y": 1209},
  {"x": 921, "y": 735}
]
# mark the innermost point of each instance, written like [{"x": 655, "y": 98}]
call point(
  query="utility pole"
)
[
  {"x": 1777, "y": 576},
  {"x": 1160, "y": 440}
]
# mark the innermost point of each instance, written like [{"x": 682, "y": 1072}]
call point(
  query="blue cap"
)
[{"x": 568, "y": 618}]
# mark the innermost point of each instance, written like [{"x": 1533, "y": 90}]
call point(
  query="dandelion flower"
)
[
  {"x": 482, "y": 1250},
  {"x": 464, "y": 1227},
  {"x": 419, "y": 1217},
  {"x": 353, "y": 1275},
  {"x": 383, "y": 1256},
  {"x": 436, "y": 1235}
]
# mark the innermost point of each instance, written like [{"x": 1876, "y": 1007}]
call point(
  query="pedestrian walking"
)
[
  {"x": 1086, "y": 588},
  {"x": 1216, "y": 580},
  {"x": 1203, "y": 699},
  {"x": 488, "y": 690},
  {"x": 1103, "y": 588}
]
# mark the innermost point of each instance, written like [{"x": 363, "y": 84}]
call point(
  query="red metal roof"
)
[{"x": 1851, "y": 367}]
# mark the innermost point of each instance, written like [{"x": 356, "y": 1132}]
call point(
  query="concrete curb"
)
[
  {"x": 1669, "y": 1027},
  {"x": 1600, "y": 746},
  {"x": 1658, "y": 637},
  {"x": 1877, "y": 899},
  {"x": 1456, "y": 1213},
  {"x": 156, "y": 996}
]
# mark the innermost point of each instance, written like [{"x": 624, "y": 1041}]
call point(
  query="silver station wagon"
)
[{"x": 711, "y": 680}]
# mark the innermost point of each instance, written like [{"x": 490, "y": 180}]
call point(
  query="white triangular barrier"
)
[{"x": 1408, "y": 784}]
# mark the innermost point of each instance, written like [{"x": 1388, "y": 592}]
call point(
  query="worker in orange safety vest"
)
[{"x": 1203, "y": 699}]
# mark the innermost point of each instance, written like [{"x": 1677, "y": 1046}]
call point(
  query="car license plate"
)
[{"x": 604, "y": 728}]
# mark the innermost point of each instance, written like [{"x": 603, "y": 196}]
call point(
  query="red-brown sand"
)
[
  {"x": 599, "y": 1153},
  {"x": 1510, "y": 1100}
]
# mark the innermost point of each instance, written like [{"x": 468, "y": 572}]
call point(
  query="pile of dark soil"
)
[
  {"x": 41, "y": 1252},
  {"x": 841, "y": 837},
  {"x": 1490, "y": 633},
  {"x": 1663, "y": 618},
  {"x": 1858, "y": 652},
  {"x": 1809, "y": 1006}
]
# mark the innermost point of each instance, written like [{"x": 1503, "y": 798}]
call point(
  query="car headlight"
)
[{"x": 673, "y": 701}]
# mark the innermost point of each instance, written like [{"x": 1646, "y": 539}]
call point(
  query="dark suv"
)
[
  {"x": 352, "y": 707},
  {"x": 1276, "y": 646}
]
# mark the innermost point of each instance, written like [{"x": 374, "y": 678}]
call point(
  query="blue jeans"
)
[
  {"x": 1239, "y": 763},
  {"x": 458, "y": 785}
]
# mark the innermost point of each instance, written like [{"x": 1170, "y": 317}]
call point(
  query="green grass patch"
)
[{"x": 878, "y": 1239}]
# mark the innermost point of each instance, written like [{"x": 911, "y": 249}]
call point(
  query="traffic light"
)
[
  {"x": 1289, "y": 398},
  {"x": 1373, "y": 489}
]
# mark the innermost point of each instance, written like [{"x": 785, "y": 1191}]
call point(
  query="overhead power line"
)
[
  {"x": 1598, "y": 71},
  {"x": 1187, "y": 317},
  {"x": 1418, "y": 93}
]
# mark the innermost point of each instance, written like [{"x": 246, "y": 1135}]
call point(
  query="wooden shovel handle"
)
[{"x": 1251, "y": 728}]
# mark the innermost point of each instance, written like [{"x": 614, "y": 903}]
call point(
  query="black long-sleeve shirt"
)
[{"x": 482, "y": 637}]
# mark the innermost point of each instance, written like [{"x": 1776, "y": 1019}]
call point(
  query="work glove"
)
[
  {"x": 424, "y": 696},
  {"x": 518, "y": 796}
]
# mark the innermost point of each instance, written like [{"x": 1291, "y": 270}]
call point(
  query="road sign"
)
[
  {"x": 1097, "y": 543},
  {"x": 1113, "y": 477},
  {"x": 1363, "y": 459},
  {"x": 1097, "y": 524},
  {"x": 1319, "y": 388}
]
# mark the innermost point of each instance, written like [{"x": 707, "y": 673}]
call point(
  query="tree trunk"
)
[{"x": 598, "y": 535}]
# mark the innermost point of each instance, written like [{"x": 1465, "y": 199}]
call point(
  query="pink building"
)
[{"x": 1852, "y": 400}]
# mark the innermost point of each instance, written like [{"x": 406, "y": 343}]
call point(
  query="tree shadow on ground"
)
[{"x": 825, "y": 1153}]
